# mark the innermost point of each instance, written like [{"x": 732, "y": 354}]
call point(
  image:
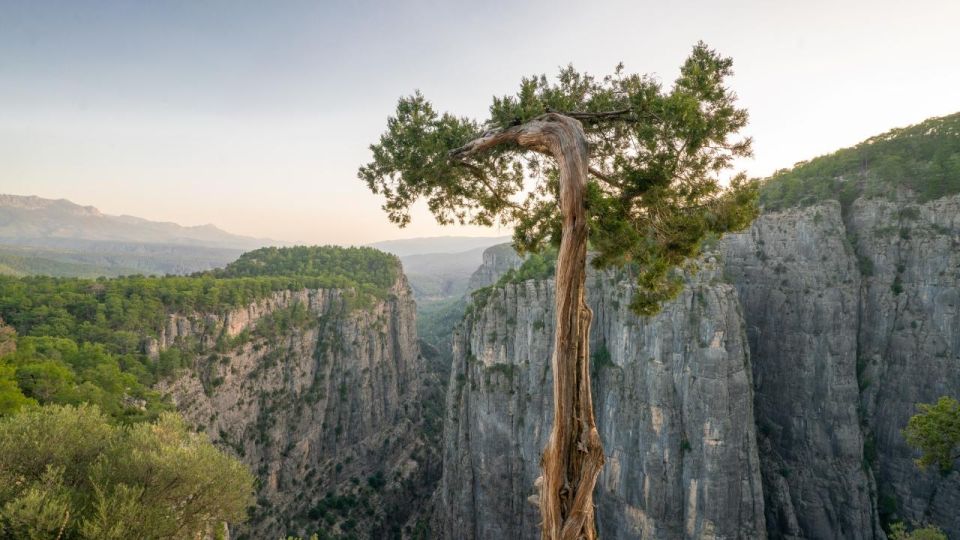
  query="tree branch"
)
[
  {"x": 604, "y": 178},
  {"x": 480, "y": 175},
  {"x": 582, "y": 115}
]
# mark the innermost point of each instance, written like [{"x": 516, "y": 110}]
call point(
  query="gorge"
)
[{"x": 765, "y": 401}]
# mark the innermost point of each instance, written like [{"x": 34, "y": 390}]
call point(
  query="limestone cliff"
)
[
  {"x": 853, "y": 314},
  {"x": 497, "y": 260},
  {"x": 321, "y": 400},
  {"x": 909, "y": 343},
  {"x": 674, "y": 407},
  {"x": 798, "y": 282}
]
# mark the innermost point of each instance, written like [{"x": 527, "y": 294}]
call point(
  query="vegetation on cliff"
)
[
  {"x": 68, "y": 472},
  {"x": 82, "y": 340},
  {"x": 935, "y": 432},
  {"x": 923, "y": 159}
]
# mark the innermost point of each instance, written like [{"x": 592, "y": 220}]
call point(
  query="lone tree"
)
[
  {"x": 935, "y": 431},
  {"x": 619, "y": 161}
]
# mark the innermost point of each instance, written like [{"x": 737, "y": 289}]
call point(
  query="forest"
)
[
  {"x": 82, "y": 340},
  {"x": 921, "y": 161}
]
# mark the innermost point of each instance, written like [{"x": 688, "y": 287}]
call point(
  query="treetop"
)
[{"x": 658, "y": 158}]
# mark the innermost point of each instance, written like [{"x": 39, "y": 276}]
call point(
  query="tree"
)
[
  {"x": 620, "y": 161},
  {"x": 935, "y": 431},
  {"x": 898, "y": 531},
  {"x": 67, "y": 472}
]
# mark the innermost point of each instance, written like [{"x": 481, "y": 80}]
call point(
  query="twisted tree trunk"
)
[{"x": 574, "y": 456}]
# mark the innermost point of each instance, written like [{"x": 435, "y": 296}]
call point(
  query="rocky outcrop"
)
[
  {"x": 497, "y": 261},
  {"x": 853, "y": 315},
  {"x": 674, "y": 408},
  {"x": 909, "y": 344},
  {"x": 321, "y": 400},
  {"x": 798, "y": 283}
]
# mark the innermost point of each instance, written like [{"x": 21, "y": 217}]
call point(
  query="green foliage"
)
[
  {"x": 366, "y": 270},
  {"x": 12, "y": 398},
  {"x": 58, "y": 370},
  {"x": 82, "y": 340},
  {"x": 116, "y": 312},
  {"x": 540, "y": 265},
  {"x": 935, "y": 431},
  {"x": 923, "y": 158},
  {"x": 600, "y": 360},
  {"x": 657, "y": 156},
  {"x": 67, "y": 472},
  {"x": 898, "y": 531}
]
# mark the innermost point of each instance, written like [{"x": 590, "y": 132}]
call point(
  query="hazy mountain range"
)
[
  {"x": 61, "y": 238},
  {"x": 29, "y": 220}
]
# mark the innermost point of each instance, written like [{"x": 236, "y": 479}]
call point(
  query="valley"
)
[{"x": 407, "y": 395}]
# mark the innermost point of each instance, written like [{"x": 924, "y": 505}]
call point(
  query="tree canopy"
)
[
  {"x": 67, "y": 472},
  {"x": 922, "y": 161},
  {"x": 657, "y": 159},
  {"x": 935, "y": 431}
]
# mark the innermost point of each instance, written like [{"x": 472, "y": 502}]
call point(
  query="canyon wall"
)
[
  {"x": 840, "y": 317},
  {"x": 673, "y": 402},
  {"x": 322, "y": 400}
]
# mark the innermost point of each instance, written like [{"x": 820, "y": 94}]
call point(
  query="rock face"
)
[
  {"x": 674, "y": 408},
  {"x": 497, "y": 260},
  {"x": 765, "y": 401},
  {"x": 323, "y": 406},
  {"x": 854, "y": 317},
  {"x": 798, "y": 282},
  {"x": 840, "y": 320},
  {"x": 909, "y": 343}
]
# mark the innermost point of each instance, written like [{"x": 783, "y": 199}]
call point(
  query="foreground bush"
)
[{"x": 67, "y": 472}]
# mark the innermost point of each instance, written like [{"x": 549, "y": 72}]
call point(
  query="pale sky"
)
[{"x": 254, "y": 116}]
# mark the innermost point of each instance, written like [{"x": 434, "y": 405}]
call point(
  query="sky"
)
[{"x": 255, "y": 116}]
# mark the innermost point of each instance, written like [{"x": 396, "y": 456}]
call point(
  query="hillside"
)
[
  {"x": 437, "y": 244},
  {"x": 288, "y": 358},
  {"x": 68, "y": 325},
  {"x": 38, "y": 221},
  {"x": 919, "y": 162}
]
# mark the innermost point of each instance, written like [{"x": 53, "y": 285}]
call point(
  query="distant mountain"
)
[
  {"x": 440, "y": 276},
  {"x": 29, "y": 220},
  {"x": 61, "y": 238},
  {"x": 438, "y": 244}
]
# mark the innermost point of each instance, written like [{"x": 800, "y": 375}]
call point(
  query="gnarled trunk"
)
[{"x": 574, "y": 456}]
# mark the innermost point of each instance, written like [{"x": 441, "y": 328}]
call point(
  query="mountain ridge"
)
[{"x": 32, "y": 220}]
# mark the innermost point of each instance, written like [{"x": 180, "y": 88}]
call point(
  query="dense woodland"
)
[
  {"x": 76, "y": 394},
  {"x": 920, "y": 161},
  {"x": 82, "y": 340}
]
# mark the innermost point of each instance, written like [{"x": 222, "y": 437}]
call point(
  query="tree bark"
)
[{"x": 573, "y": 456}]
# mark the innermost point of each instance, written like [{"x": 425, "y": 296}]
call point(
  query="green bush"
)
[{"x": 67, "y": 472}]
